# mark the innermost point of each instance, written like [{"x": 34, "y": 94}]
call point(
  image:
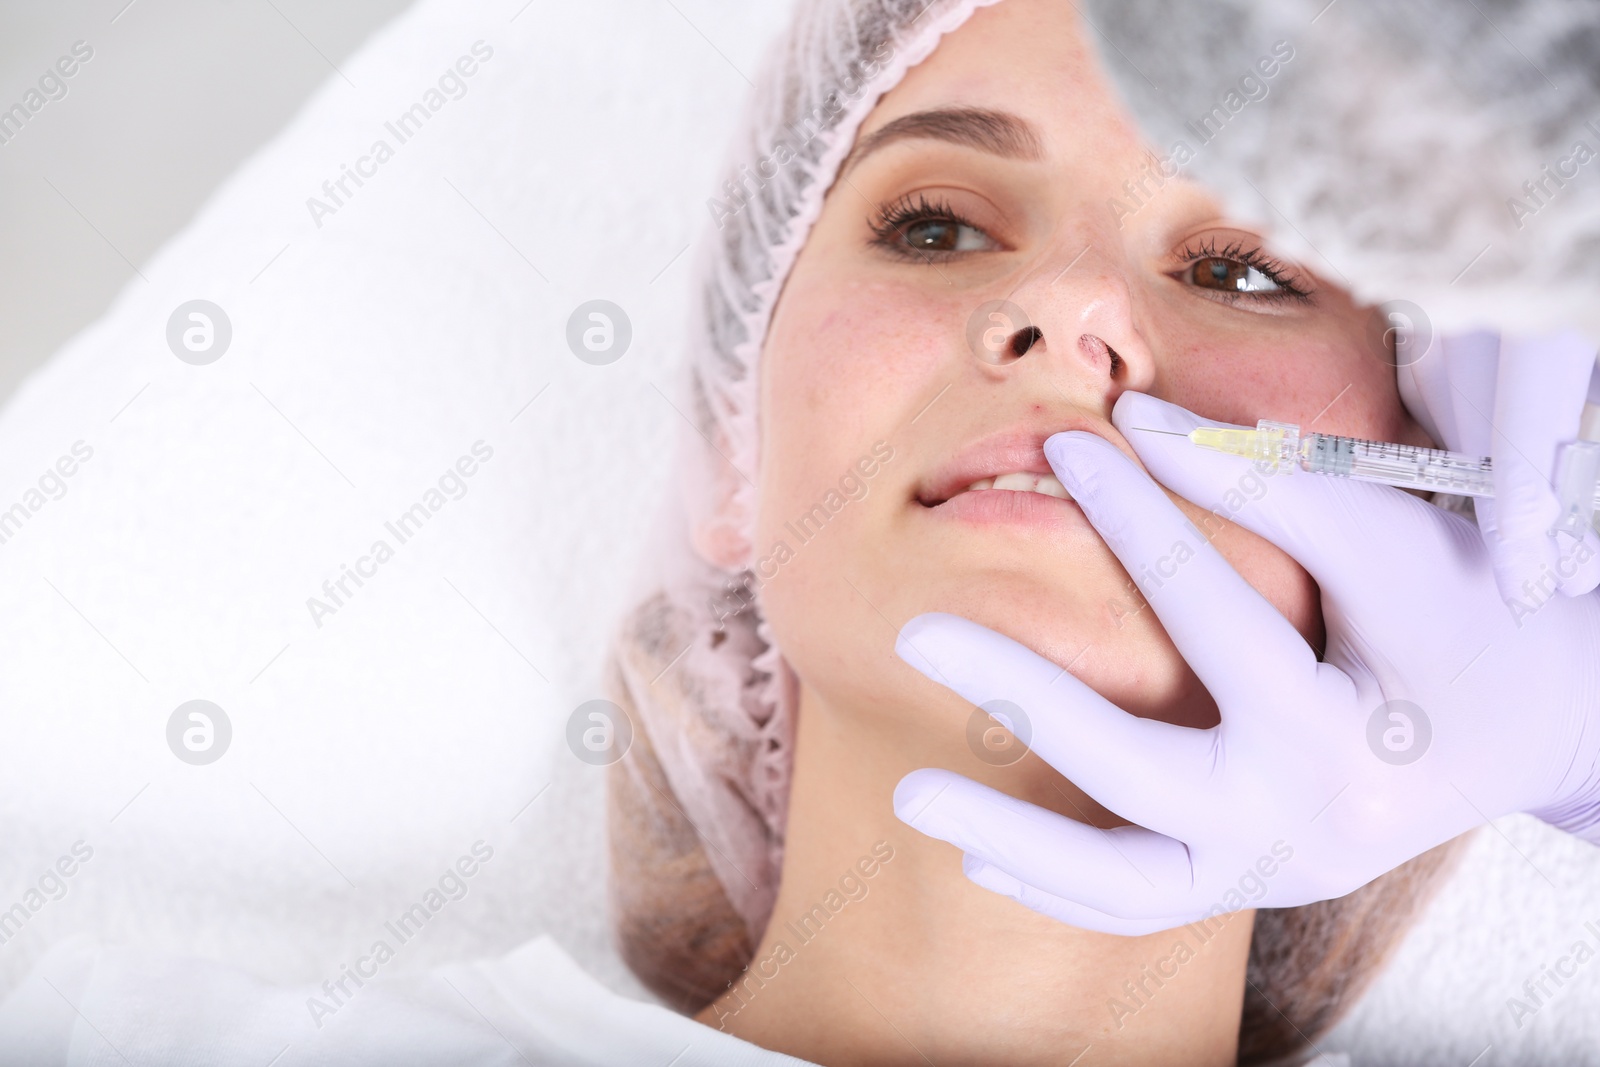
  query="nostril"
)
[
  {"x": 1095, "y": 348},
  {"x": 1023, "y": 340}
]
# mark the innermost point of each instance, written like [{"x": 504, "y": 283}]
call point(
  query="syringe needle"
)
[{"x": 1169, "y": 433}]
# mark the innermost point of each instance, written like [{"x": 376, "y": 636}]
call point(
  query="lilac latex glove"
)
[
  {"x": 1515, "y": 399},
  {"x": 1432, "y": 711}
]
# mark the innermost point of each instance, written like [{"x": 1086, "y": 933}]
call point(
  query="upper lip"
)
[{"x": 1014, "y": 450}]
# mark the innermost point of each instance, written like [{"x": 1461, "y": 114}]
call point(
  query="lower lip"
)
[{"x": 1010, "y": 507}]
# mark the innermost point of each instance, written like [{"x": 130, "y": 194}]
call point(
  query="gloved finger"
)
[
  {"x": 1060, "y": 909},
  {"x": 1578, "y": 562},
  {"x": 1129, "y": 764},
  {"x": 1128, "y": 871},
  {"x": 1587, "y": 574},
  {"x": 1459, "y": 385},
  {"x": 1541, "y": 387},
  {"x": 1338, "y": 530},
  {"x": 1471, "y": 364},
  {"x": 1463, "y": 375},
  {"x": 1450, "y": 391},
  {"x": 1530, "y": 570},
  {"x": 1235, "y": 641},
  {"x": 1425, "y": 391}
]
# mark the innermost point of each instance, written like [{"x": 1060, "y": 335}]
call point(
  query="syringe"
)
[{"x": 1280, "y": 448}]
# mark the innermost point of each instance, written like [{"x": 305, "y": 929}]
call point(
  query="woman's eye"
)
[
  {"x": 1229, "y": 275},
  {"x": 926, "y": 231},
  {"x": 945, "y": 235}
]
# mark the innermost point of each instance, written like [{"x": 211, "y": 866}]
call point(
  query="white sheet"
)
[
  {"x": 533, "y": 1006},
  {"x": 425, "y": 314},
  {"x": 367, "y": 356}
]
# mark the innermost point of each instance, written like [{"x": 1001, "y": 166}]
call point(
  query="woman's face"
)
[{"x": 1036, "y": 201}]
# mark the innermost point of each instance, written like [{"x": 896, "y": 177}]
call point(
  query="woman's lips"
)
[
  {"x": 1024, "y": 482},
  {"x": 1011, "y": 507},
  {"x": 1008, "y": 454},
  {"x": 992, "y": 501},
  {"x": 1003, "y": 478}
]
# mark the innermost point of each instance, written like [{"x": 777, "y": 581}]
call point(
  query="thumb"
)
[
  {"x": 1364, "y": 544},
  {"x": 1538, "y": 404}
]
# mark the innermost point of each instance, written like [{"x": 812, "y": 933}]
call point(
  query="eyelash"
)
[
  {"x": 893, "y": 219},
  {"x": 1276, "y": 271}
]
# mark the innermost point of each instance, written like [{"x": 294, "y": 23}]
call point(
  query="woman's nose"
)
[{"x": 1073, "y": 315}]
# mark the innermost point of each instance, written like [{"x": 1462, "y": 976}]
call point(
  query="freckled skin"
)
[{"x": 865, "y": 347}]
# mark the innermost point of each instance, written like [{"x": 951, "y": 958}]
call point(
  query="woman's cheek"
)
[
  {"x": 850, "y": 346},
  {"x": 1242, "y": 366},
  {"x": 1248, "y": 383},
  {"x": 847, "y": 364}
]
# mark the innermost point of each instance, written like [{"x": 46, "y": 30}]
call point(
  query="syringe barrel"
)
[{"x": 1408, "y": 466}]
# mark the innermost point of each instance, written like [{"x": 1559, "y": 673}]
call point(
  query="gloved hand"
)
[
  {"x": 1432, "y": 712},
  {"x": 1515, "y": 399}
]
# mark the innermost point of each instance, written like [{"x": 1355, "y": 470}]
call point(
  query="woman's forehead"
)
[{"x": 1020, "y": 79}]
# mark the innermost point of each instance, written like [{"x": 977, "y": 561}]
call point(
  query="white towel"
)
[
  {"x": 533, "y": 1006},
  {"x": 369, "y": 355}
]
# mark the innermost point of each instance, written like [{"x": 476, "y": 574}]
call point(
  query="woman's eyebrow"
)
[{"x": 998, "y": 132}]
